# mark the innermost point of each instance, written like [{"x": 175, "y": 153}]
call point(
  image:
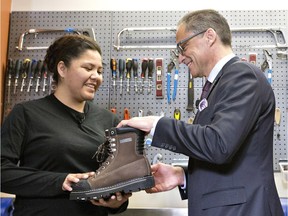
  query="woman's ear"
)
[{"x": 61, "y": 68}]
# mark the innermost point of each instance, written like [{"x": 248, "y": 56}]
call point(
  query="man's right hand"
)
[{"x": 166, "y": 177}]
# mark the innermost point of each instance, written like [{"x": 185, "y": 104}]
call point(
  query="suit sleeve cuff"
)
[{"x": 154, "y": 125}]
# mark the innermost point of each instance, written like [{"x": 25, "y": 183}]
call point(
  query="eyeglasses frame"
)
[{"x": 180, "y": 49}]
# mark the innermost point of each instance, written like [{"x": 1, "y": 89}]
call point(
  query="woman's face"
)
[{"x": 83, "y": 77}]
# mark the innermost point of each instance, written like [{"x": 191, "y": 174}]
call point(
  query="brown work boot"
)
[{"x": 126, "y": 168}]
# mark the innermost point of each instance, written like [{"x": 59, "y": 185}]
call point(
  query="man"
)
[{"x": 230, "y": 144}]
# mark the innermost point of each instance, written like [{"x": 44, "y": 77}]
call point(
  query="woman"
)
[{"x": 48, "y": 144}]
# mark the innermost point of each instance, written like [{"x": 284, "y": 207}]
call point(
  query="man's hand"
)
[
  {"x": 115, "y": 201},
  {"x": 166, "y": 177},
  {"x": 142, "y": 123}
]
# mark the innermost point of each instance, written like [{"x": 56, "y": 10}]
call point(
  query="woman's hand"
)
[{"x": 74, "y": 178}]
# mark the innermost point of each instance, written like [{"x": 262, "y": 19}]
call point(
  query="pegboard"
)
[{"x": 108, "y": 24}]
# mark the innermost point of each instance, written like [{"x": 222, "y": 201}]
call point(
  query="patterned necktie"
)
[{"x": 205, "y": 90}]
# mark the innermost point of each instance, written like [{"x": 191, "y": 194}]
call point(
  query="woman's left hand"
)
[{"x": 115, "y": 201}]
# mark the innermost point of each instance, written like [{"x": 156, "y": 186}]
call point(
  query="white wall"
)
[{"x": 129, "y": 5}]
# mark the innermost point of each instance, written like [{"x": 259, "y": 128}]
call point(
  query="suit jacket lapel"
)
[{"x": 231, "y": 61}]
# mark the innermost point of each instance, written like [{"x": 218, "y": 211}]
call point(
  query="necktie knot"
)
[{"x": 205, "y": 90}]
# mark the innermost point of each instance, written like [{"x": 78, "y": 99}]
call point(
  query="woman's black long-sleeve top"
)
[{"x": 42, "y": 141}]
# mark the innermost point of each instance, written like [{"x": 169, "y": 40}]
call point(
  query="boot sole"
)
[{"x": 130, "y": 186}]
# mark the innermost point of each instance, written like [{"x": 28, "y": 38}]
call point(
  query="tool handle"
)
[
  {"x": 38, "y": 69},
  {"x": 17, "y": 68},
  {"x": 190, "y": 104},
  {"x": 168, "y": 87},
  {"x": 113, "y": 110},
  {"x": 177, "y": 114},
  {"x": 135, "y": 67},
  {"x": 144, "y": 67},
  {"x": 150, "y": 68},
  {"x": 121, "y": 66},
  {"x": 126, "y": 114},
  {"x": 128, "y": 68},
  {"x": 277, "y": 116},
  {"x": 269, "y": 76},
  {"x": 113, "y": 66},
  {"x": 176, "y": 76},
  {"x": 10, "y": 66},
  {"x": 32, "y": 69}
]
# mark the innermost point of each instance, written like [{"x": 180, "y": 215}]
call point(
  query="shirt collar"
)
[{"x": 217, "y": 68}]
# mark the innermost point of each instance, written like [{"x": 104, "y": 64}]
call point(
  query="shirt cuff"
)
[
  {"x": 152, "y": 131},
  {"x": 183, "y": 186}
]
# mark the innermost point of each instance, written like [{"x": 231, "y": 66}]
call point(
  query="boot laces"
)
[{"x": 105, "y": 150}]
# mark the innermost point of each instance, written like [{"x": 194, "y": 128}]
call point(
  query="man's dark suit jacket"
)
[{"x": 230, "y": 146}]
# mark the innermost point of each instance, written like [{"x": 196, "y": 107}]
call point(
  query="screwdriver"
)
[
  {"x": 190, "y": 106},
  {"x": 128, "y": 73},
  {"x": 277, "y": 120},
  {"x": 38, "y": 71},
  {"x": 24, "y": 73},
  {"x": 31, "y": 74},
  {"x": 44, "y": 72},
  {"x": 144, "y": 67},
  {"x": 113, "y": 66},
  {"x": 18, "y": 66},
  {"x": 150, "y": 74},
  {"x": 121, "y": 65},
  {"x": 135, "y": 73},
  {"x": 9, "y": 72}
]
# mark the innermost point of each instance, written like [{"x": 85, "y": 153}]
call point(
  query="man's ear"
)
[
  {"x": 61, "y": 68},
  {"x": 211, "y": 36}
]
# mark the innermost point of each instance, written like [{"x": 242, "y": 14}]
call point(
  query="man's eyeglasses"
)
[{"x": 180, "y": 48}]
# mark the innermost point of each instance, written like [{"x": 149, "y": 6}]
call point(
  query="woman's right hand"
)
[{"x": 74, "y": 178}]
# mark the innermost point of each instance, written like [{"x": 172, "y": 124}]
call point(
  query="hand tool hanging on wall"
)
[
  {"x": 31, "y": 74},
  {"x": 159, "y": 78},
  {"x": 144, "y": 67},
  {"x": 140, "y": 113},
  {"x": 24, "y": 73},
  {"x": 168, "y": 75},
  {"x": 9, "y": 73},
  {"x": 150, "y": 74},
  {"x": 85, "y": 31},
  {"x": 253, "y": 58},
  {"x": 121, "y": 68},
  {"x": 38, "y": 72},
  {"x": 128, "y": 73},
  {"x": 44, "y": 72},
  {"x": 176, "y": 77},
  {"x": 126, "y": 114},
  {"x": 275, "y": 31},
  {"x": 135, "y": 74},
  {"x": 268, "y": 59},
  {"x": 190, "y": 105},
  {"x": 174, "y": 57},
  {"x": 277, "y": 121},
  {"x": 177, "y": 114},
  {"x": 113, "y": 66},
  {"x": 18, "y": 66}
]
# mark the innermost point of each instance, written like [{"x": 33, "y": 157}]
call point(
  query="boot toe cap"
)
[{"x": 82, "y": 185}]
